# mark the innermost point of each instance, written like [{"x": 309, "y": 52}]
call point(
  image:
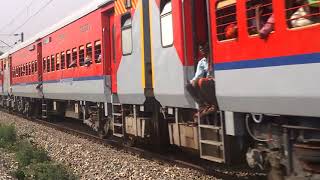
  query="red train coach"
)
[
  {"x": 123, "y": 66},
  {"x": 73, "y": 62},
  {"x": 25, "y": 72},
  {"x": 265, "y": 81}
]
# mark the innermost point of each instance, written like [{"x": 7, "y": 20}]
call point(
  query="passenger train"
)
[{"x": 121, "y": 68}]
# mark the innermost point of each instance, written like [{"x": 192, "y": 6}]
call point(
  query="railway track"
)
[{"x": 220, "y": 171}]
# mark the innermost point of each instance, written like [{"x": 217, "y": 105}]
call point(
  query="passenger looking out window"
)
[
  {"x": 74, "y": 58},
  {"x": 68, "y": 58},
  {"x": 81, "y": 55},
  {"x": 202, "y": 85},
  {"x": 226, "y": 19},
  {"x": 302, "y": 12},
  {"x": 88, "y": 59},
  {"x": 97, "y": 51},
  {"x": 260, "y": 17}
]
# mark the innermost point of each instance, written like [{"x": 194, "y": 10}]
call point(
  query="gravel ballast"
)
[
  {"x": 90, "y": 160},
  {"x": 7, "y": 165}
]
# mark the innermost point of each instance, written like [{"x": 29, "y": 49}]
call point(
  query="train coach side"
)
[
  {"x": 73, "y": 62},
  {"x": 25, "y": 72}
]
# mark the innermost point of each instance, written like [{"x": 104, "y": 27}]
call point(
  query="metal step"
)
[
  {"x": 117, "y": 114},
  {"x": 212, "y": 150},
  {"x": 210, "y": 127},
  {"x": 214, "y": 143},
  {"x": 214, "y": 159},
  {"x": 117, "y": 124}
]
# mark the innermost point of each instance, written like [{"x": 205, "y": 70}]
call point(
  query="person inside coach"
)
[{"x": 201, "y": 86}]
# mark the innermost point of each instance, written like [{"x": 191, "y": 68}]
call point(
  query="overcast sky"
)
[{"x": 18, "y": 16}]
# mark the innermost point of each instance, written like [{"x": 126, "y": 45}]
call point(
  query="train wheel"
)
[{"x": 104, "y": 131}]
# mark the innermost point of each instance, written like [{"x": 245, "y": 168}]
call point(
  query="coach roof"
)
[
  {"x": 4, "y": 55},
  {"x": 71, "y": 18}
]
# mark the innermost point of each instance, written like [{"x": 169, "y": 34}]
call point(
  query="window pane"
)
[
  {"x": 302, "y": 13},
  {"x": 166, "y": 30},
  {"x": 74, "y": 58},
  {"x": 226, "y": 20},
  {"x": 58, "y": 62},
  {"x": 48, "y": 65},
  {"x": 265, "y": 13},
  {"x": 52, "y": 63},
  {"x": 68, "y": 57},
  {"x": 63, "y": 60},
  {"x": 97, "y": 52},
  {"x": 81, "y": 56},
  {"x": 44, "y": 64},
  {"x": 126, "y": 41},
  {"x": 36, "y": 66}
]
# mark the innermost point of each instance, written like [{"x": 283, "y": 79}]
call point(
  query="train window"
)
[
  {"x": 81, "y": 55},
  {"x": 74, "y": 58},
  {"x": 226, "y": 20},
  {"x": 32, "y": 68},
  {"x": 27, "y": 69},
  {"x": 166, "y": 23},
  {"x": 44, "y": 64},
  {"x": 302, "y": 13},
  {"x": 88, "y": 59},
  {"x": 63, "y": 60},
  {"x": 52, "y": 62},
  {"x": 68, "y": 58},
  {"x": 126, "y": 34},
  {"x": 48, "y": 64},
  {"x": 36, "y": 66},
  {"x": 97, "y": 51},
  {"x": 58, "y": 60},
  {"x": 259, "y": 14}
]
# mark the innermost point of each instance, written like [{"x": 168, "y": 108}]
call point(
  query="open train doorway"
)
[
  {"x": 196, "y": 30},
  {"x": 201, "y": 85}
]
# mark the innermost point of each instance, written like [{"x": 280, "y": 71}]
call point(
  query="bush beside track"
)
[{"x": 34, "y": 162}]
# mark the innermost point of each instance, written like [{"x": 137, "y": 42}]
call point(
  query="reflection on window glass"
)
[
  {"x": 126, "y": 34},
  {"x": 97, "y": 51},
  {"x": 166, "y": 25}
]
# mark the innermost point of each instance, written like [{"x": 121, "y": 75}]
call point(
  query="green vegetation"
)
[
  {"x": 34, "y": 162},
  {"x": 8, "y": 136}
]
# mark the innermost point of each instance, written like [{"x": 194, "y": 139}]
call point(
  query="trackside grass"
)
[{"x": 34, "y": 162}]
